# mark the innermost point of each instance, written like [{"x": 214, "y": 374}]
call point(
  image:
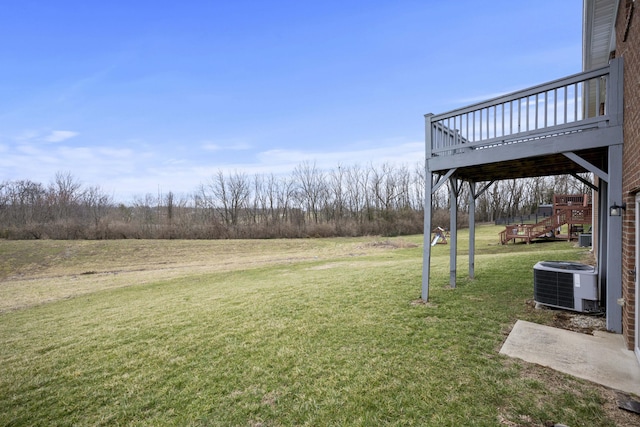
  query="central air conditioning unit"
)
[{"x": 568, "y": 285}]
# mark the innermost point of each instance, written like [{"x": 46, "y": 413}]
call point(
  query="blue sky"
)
[{"x": 136, "y": 96}]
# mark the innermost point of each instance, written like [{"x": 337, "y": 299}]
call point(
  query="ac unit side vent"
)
[{"x": 554, "y": 288}]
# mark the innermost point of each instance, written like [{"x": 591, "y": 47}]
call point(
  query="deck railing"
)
[{"x": 567, "y": 105}]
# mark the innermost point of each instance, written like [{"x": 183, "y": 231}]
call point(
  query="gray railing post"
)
[
  {"x": 614, "y": 103},
  {"x": 428, "y": 132}
]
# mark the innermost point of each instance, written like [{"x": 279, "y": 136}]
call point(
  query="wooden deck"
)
[{"x": 572, "y": 211}]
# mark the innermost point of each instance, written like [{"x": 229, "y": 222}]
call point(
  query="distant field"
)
[
  {"x": 314, "y": 332},
  {"x": 33, "y": 272}
]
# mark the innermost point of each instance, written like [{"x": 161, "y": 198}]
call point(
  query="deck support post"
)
[
  {"x": 455, "y": 186},
  {"x": 603, "y": 246},
  {"x": 426, "y": 251},
  {"x": 428, "y": 197},
  {"x": 614, "y": 241},
  {"x": 472, "y": 229}
]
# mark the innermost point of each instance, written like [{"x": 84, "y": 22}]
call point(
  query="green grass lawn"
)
[{"x": 330, "y": 332}]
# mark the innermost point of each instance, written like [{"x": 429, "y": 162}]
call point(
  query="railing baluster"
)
[
  {"x": 463, "y": 125},
  {"x": 466, "y": 127},
  {"x": 597, "y": 97},
  {"x": 448, "y": 132},
  {"x": 434, "y": 136},
  {"x": 455, "y": 134},
  {"x": 452, "y": 131},
  {"x": 485, "y": 134},
  {"x": 535, "y": 126},
  {"x": 585, "y": 107},
  {"x": 605, "y": 81},
  {"x": 485, "y": 117},
  {"x": 555, "y": 107},
  {"x": 512, "y": 123},
  {"x": 488, "y": 127},
  {"x": 575, "y": 102},
  {"x": 473, "y": 124},
  {"x": 502, "y": 126},
  {"x": 565, "y": 105},
  {"x": 546, "y": 107},
  {"x": 526, "y": 119}
]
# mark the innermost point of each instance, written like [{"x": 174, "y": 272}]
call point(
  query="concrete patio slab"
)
[{"x": 601, "y": 358}]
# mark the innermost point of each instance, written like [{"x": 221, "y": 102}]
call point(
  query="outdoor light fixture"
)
[{"x": 616, "y": 210}]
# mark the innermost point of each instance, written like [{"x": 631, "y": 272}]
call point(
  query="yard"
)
[{"x": 316, "y": 332}]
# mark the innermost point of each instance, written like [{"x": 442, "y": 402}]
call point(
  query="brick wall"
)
[{"x": 628, "y": 46}]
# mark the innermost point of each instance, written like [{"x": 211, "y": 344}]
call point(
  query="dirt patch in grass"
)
[
  {"x": 421, "y": 302},
  {"x": 392, "y": 244}
]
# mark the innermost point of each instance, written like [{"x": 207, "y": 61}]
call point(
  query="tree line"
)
[{"x": 354, "y": 200}]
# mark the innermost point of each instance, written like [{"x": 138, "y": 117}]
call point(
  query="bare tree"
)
[
  {"x": 64, "y": 194},
  {"x": 97, "y": 203},
  {"x": 285, "y": 195},
  {"x": 311, "y": 187},
  {"x": 357, "y": 183},
  {"x": 418, "y": 186},
  {"x": 239, "y": 192},
  {"x": 221, "y": 196},
  {"x": 337, "y": 191},
  {"x": 388, "y": 186},
  {"x": 271, "y": 200}
]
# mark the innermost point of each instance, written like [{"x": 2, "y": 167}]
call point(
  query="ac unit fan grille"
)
[{"x": 554, "y": 288}]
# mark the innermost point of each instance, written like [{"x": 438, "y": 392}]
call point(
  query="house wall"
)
[{"x": 629, "y": 47}]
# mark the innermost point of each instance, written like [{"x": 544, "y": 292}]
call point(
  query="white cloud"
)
[
  {"x": 27, "y": 135},
  {"x": 408, "y": 152},
  {"x": 228, "y": 146},
  {"x": 209, "y": 146},
  {"x": 59, "y": 135},
  {"x": 480, "y": 98},
  {"x": 284, "y": 161},
  {"x": 119, "y": 153},
  {"x": 135, "y": 170}
]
